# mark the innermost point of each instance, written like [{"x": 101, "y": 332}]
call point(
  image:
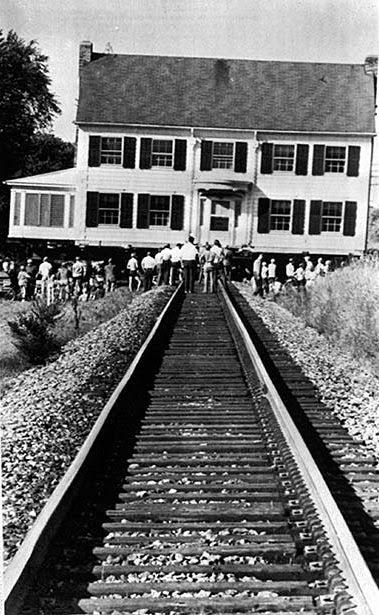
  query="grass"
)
[
  {"x": 90, "y": 315},
  {"x": 344, "y": 307}
]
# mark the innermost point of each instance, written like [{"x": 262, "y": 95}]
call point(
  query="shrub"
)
[
  {"x": 344, "y": 307},
  {"x": 33, "y": 331}
]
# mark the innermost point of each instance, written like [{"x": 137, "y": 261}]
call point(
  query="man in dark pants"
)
[
  {"x": 189, "y": 256},
  {"x": 148, "y": 264}
]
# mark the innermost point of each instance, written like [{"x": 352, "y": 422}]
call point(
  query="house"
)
[{"x": 272, "y": 154}]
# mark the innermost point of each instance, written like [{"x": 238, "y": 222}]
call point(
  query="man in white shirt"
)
[
  {"x": 166, "y": 264},
  {"x": 132, "y": 268},
  {"x": 175, "y": 264},
  {"x": 158, "y": 266},
  {"x": 189, "y": 256},
  {"x": 44, "y": 272},
  {"x": 148, "y": 265},
  {"x": 290, "y": 270}
]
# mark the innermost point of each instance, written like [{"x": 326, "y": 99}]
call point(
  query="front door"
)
[{"x": 217, "y": 221}]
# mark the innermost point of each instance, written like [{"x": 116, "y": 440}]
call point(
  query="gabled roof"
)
[
  {"x": 245, "y": 94},
  {"x": 56, "y": 179}
]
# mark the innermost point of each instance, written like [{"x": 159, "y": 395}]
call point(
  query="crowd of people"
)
[
  {"x": 87, "y": 280},
  {"x": 187, "y": 262},
  {"x": 301, "y": 275},
  {"x": 78, "y": 278}
]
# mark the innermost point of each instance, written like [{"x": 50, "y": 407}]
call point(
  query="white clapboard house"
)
[{"x": 272, "y": 154}]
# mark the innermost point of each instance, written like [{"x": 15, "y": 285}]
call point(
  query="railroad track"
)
[{"x": 221, "y": 509}]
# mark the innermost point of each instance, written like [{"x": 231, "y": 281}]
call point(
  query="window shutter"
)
[
  {"x": 94, "y": 151},
  {"x": 143, "y": 211},
  {"x": 350, "y": 218},
  {"x": 315, "y": 218},
  {"x": 266, "y": 159},
  {"x": 177, "y": 212},
  {"x": 145, "y": 154},
  {"x": 298, "y": 217},
  {"x": 263, "y": 215},
  {"x": 240, "y": 159},
  {"x": 180, "y": 155},
  {"x": 92, "y": 212},
  {"x": 302, "y": 159},
  {"x": 318, "y": 160},
  {"x": 17, "y": 209},
  {"x": 129, "y": 156},
  {"x": 206, "y": 156},
  {"x": 126, "y": 214},
  {"x": 353, "y": 161}
]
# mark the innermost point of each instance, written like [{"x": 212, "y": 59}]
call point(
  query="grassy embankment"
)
[
  {"x": 344, "y": 307},
  {"x": 91, "y": 314}
]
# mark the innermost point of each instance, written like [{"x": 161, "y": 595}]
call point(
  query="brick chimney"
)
[{"x": 85, "y": 54}]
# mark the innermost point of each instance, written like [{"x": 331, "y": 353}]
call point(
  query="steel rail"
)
[
  {"x": 30, "y": 554},
  {"x": 360, "y": 583}
]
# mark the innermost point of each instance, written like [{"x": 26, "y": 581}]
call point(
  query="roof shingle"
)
[{"x": 217, "y": 93}]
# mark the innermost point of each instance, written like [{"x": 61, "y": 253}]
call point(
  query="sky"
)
[{"x": 293, "y": 30}]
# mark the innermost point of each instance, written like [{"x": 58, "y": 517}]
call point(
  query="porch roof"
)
[{"x": 66, "y": 178}]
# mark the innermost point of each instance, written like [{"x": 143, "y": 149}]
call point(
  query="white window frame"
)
[
  {"x": 108, "y": 209},
  {"x": 115, "y": 155},
  {"x": 221, "y": 160},
  {"x": 278, "y": 219},
  {"x": 161, "y": 158},
  {"x": 334, "y": 163},
  {"x": 332, "y": 220},
  {"x": 160, "y": 211},
  {"x": 283, "y": 162},
  {"x": 50, "y": 195}
]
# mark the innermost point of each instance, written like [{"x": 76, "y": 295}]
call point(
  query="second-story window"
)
[
  {"x": 331, "y": 216},
  {"x": 280, "y": 215},
  {"x": 222, "y": 155},
  {"x": 109, "y": 208},
  {"x": 283, "y": 157},
  {"x": 335, "y": 159},
  {"x": 111, "y": 148},
  {"x": 162, "y": 154}
]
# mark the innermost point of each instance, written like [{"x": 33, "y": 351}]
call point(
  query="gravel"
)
[
  {"x": 50, "y": 410},
  {"x": 346, "y": 385}
]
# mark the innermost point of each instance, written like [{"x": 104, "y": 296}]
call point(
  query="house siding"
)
[{"x": 281, "y": 185}]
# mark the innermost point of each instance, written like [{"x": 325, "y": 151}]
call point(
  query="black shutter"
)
[
  {"x": 302, "y": 159},
  {"x": 240, "y": 159},
  {"x": 263, "y": 215},
  {"x": 298, "y": 217},
  {"x": 145, "y": 154},
  {"x": 318, "y": 167},
  {"x": 350, "y": 218},
  {"x": 353, "y": 161},
  {"x": 180, "y": 155},
  {"x": 206, "y": 156},
  {"x": 177, "y": 212},
  {"x": 143, "y": 211},
  {"x": 92, "y": 211},
  {"x": 315, "y": 218},
  {"x": 266, "y": 159},
  {"x": 126, "y": 216},
  {"x": 94, "y": 151},
  {"x": 129, "y": 157}
]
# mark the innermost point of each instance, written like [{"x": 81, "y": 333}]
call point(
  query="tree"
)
[
  {"x": 26, "y": 107},
  {"x": 48, "y": 153}
]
